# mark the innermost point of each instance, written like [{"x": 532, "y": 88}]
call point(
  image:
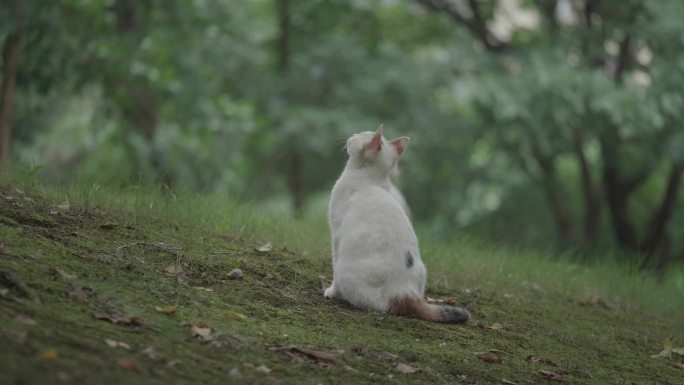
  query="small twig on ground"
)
[{"x": 158, "y": 246}]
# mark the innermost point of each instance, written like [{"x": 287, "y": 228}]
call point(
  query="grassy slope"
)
[{"x": 602, "y": 341}]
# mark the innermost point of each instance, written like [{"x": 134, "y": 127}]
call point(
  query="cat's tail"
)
[{"x": 418, "y": 308}]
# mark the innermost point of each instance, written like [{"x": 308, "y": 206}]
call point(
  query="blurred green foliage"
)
[{"x": 546, "y": 122}]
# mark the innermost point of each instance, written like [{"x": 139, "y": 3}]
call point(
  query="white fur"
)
[
  {"x": 371, "y": 232},
  {"x": 395, "y": 174}
]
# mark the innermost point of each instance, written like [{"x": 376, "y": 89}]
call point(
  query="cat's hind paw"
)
[{"x": 330, "y": 292}]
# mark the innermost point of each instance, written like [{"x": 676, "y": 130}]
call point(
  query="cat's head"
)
[{"x": 370, "y": 150}]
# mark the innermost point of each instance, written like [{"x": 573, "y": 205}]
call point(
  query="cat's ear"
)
[
  {"x": 376, "y": 142},
  {"x": 400, "y": 144}
]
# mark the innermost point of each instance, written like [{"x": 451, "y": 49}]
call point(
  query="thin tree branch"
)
[
  {"x": 284, "y": 35},
  {"x": 622, "y": 59},
  {"x": 475, "y": 24},
  {"x": 548, "y": 8}
]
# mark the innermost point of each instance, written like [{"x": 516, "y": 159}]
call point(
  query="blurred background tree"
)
[{"x": 534, "y": 122}]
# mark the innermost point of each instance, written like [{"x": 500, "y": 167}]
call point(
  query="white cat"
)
[
  {"x": 394, "y": 176},
  {"x": 376, "y": 260}
]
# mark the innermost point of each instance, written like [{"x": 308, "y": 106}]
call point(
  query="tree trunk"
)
[
  {"x": 589, "y": 191},
  {"x": 136, "y": 101},
  {"x": 284, "y": 36},
  {"x": 560, "y": 210},
  {"x": 665, "y": 258},
  {"x": 10, "y": 60},
  {"x": 548, "y": 8},
  {"x": 617, "y": 195},
  {"x": 294, "y": 174},
  {"x": 140, "y": 112},
  {"x": 295, "y": 180},
  {"x": 623, "y": 224},
  {"x": 662, "y": 215}
]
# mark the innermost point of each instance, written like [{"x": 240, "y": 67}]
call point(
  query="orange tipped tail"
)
[{"x": 418, "y": 308}]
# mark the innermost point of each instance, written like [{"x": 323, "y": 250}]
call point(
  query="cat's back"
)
[{"x": 373, "y": 209}]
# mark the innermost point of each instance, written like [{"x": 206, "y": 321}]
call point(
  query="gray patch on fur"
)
[{"x": 409, "y": 260}]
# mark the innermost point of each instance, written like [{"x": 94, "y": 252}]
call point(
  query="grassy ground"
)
[{"x": 82, "y": 266}]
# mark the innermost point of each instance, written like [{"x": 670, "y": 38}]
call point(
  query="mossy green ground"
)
[{"x": 64, "y": 268}]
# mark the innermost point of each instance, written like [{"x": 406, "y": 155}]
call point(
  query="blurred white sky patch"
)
[
  {"x": 641, "y": 78},
  {"x": 644, "y": 55},
  {"x": 511, "y": 15},
  {"x": 565, "y": 13}
]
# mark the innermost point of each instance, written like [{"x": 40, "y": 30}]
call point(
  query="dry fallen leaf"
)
[
  {"x": 494, "y": 326},
  {"x": 151, "y": 352},
  {"x": 263, "y": 369},
  {"x": 49, "y": 354},
  {"x": 360, "y": 350},
  {"x": 207, "y": 289},
  {"x": 508, "y": 382},
  {"x": 670, "y": 352},
  {"x": 549, "y": 375},
  {"x": 492, "y": 357},
  {"x": 130, "y": 364},
  {"x": 109, "y": 226},
  {"x": 173, "y": 269},
  {"x": 80, "y": 293},
  {"x": 236, "y": 374},
  {"x": 219, "y": 343},
  {"x": 234, "y": 315},
  {"x": 387, "y": 356},
  {"x": 265, "y": 247},
  {"x": 56, "y": 271},
  {"x": 204, "y": 334},
  {"x": 172, "y": 363},
  {"x": 598, "y": 301},
  {"x": 532, "y": 359},
  {"x": 116, "y": 344},
  {"x": 678, "y": 365},
  {"x": 168, "y": 309},
  {"x": 63, "y": 376},
  {"x": 25, "y": 320},
  {"x": 405, "y": 369},
  {"x": 125, "y": 320},
  {"x": 296, "y": 353}
]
